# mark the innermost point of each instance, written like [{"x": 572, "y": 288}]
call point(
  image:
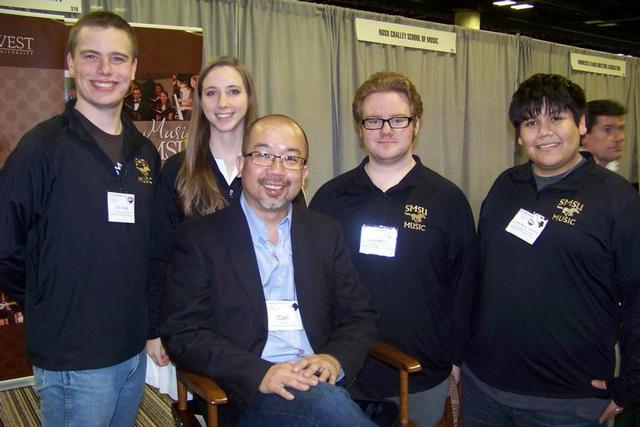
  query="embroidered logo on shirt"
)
[
  {"x": 417, "y": 215},
  {"x": 569, "y": 211},
  {"x": 144, "y": 170}
]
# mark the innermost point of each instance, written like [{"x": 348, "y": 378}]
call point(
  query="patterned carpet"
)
[{"x": 20, "y": 408}]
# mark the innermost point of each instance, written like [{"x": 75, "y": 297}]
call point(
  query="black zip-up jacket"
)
[
  {"x": 81, "y": 277},
  {"x": 547, "y": 314}
]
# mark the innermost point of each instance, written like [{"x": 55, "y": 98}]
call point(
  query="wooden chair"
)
[{"x": 208, "y": 390}]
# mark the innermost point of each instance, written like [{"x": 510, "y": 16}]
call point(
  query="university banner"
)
[
  {"x": 32, "y": 88},
  {"x": 31, "y": 75}
]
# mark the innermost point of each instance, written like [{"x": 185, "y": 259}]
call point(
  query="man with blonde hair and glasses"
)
[{"x": 411, "y": 236}]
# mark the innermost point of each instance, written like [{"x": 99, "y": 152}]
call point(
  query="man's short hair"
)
[
  {"x": 105, "y": 20},
  {"x": 275, "y": 117},
  {"x": 384, "y": 81},
  {"x": 602, "y": 107},
  {"x": 552, "y": 92}
]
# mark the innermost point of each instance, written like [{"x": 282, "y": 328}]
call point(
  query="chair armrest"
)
[
  {"x": 395, "y": 357},
  {"x": 203, "y": 386}
]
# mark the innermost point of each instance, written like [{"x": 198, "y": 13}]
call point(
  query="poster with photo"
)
[
  {"x": 160, "y": 105},
  {"x": 170, "y": 59}
]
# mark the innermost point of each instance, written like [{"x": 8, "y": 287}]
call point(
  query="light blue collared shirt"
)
[{"x": 275, "y": 263}]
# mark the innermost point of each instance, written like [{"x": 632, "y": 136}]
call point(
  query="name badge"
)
[
  {"x": 378, "y": 240},
  {"x": 527, "y": 225},
  {"x": 121, "y": 207},
  {"x": 283, "y": 315}
]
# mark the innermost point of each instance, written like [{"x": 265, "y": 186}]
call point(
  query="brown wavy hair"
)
[{"x": 196, "y": 184}]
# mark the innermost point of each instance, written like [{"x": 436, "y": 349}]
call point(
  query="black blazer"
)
[{"x": 215, "y": 317}]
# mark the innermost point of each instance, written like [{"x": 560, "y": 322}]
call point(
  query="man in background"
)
[
  {"x": 137, "y": 107},
  {"x": 605, "y": 132}
]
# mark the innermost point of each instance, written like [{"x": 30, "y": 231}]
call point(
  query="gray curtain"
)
[{"x": 307, "y": 63}]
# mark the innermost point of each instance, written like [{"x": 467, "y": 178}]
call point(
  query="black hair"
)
[
  {"x": 552, "y": 92},
  {"x": 602, "y": 107}
]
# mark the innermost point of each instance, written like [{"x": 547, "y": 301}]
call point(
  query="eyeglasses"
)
[
  {"x": 397, "y": 122},
  {"x": 261, "y": 158}
]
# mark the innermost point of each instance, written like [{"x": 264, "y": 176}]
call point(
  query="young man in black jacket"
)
[
  {"x": 75, "y": 200},
  {"x": 559, "y": 244}
]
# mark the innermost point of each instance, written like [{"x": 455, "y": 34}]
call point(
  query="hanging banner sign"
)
[
  {"x": 26, "y": 41},
  {"x": 597, "y": 64},
  {"x": 73, "y": 6},
  {"x": 405, "y": 35}
]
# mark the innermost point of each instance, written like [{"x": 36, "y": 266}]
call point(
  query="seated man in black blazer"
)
[{"x": 262, "y": 296}]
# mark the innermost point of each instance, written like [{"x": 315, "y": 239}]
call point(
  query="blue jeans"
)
[
  {"x": 480, "y": 410},
  {"x": 94, "y": 397},
  {"x": 324, "y": 405}
]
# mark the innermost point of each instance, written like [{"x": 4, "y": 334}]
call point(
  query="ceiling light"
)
[
  {"x": 504, "y": 3},
  {"x": 595, "y": 21},
  {"x": 521, "y": 6},
  {"x": 607, "y": 24}
]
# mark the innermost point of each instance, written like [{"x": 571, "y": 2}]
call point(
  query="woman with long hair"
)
[
  {"x": 164, "y": 110},
  {"x": 197, "y": 181}
]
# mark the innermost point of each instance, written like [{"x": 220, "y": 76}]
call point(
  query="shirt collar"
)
[
  {"x": 361, "y": 177},
  {"x": 524, "y": 172},
  {"x": 257, "y": 227}
]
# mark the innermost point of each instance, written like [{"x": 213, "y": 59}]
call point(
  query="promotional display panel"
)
[
  {"x": 32, "y": 84},
  {"x": 170, "y": 60}
]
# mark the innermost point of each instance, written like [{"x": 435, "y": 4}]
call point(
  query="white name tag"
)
[
  {"x": 527, "y": 225},
  {"x": 378, "y": 240},
  {"x": 121, "y": 207},
  {"x": 283, "y": 315}
]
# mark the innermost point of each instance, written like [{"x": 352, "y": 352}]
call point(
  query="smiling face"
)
[
  {"x": 606, "y": 139},
  {"x": 270, "y": 189},
  {"x": 103, "y": 67},
  {"x": 387, "y": 145},
  {"x": 552, "y": 141},
  {"x": 224, "y": 99}
]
